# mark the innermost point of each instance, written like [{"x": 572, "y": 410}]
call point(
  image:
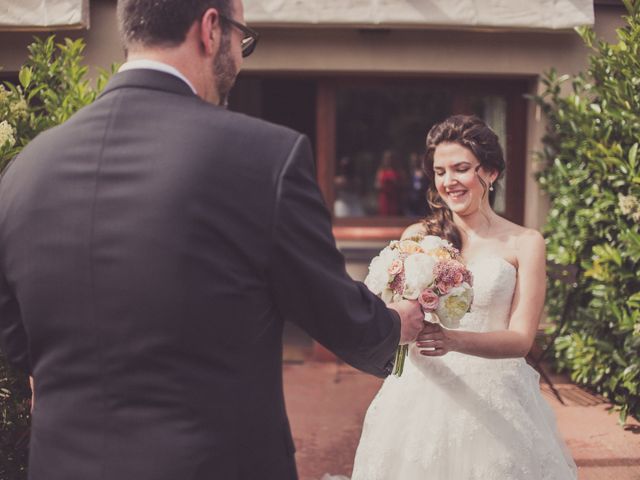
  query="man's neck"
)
[
  {"x": 180, "y": 60},
  {"x": 155, "y": 65}
]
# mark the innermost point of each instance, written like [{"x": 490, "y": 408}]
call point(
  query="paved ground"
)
[{"x": 327, "y": 403}]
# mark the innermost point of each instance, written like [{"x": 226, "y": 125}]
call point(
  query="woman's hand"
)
[{"x": 435, "y": 341}]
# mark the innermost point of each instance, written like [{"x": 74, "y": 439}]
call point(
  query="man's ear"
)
[{"x": 210, "y": 32}]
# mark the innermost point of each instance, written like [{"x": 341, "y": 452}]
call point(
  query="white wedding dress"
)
[{"x": 460, "y": 417}]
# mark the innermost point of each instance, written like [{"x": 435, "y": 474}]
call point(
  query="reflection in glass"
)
[
  {"x": 418, "y": 184},
  {"x": 347, "y": 186},
  {"x": 390, "y": 182},
  {"x": 380, "y": 138}
]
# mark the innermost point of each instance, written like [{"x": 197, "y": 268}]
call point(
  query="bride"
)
[{"x": 468, "y": 406}]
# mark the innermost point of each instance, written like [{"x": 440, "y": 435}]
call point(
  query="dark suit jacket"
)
[{"x": 150, "y": 249}]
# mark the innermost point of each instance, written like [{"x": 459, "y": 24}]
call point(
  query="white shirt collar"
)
[{"x": 158, "y": 66}]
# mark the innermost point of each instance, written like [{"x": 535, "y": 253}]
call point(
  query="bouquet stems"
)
[{"x": 401, "y": 355}]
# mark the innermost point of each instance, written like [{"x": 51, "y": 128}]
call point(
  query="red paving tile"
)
[{"x": 327, "y": 403}]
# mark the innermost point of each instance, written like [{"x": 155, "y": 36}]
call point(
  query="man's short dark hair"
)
[{"x": 163, "y": 22}]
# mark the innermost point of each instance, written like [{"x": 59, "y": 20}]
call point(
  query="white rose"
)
[
  {"x": 418, "y": 270},
  {"x": 378, "y": 277},
  {"x": 431, "y": 242}
]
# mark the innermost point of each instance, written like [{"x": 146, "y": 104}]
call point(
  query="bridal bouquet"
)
[{"x": 427, "y": 269}]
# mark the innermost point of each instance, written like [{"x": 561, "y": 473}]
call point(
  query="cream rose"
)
[{"x": 455, "y": 305}]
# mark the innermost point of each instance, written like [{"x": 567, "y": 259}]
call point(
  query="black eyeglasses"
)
[{"x": 250, "y": 38}]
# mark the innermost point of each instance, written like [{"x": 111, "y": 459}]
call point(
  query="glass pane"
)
[{"x": 380, "y": 141}]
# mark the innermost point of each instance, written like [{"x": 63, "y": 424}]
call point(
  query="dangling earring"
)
[{"x": 491, "y": 187}]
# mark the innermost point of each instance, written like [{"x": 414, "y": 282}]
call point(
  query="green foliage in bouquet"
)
[
  {"x": 591, "y": 172},
  {"x": 53, "y": 85}
]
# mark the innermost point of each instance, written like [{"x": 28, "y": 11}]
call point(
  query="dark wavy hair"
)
[
  {"x": 164, "y": 22},
  {"x": 472, "y": 133}
]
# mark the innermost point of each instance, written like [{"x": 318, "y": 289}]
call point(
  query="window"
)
[
  {"x": 375, "y": 132},
  {"x": 380, "y": 136},
  {"x": 369, "y": 136}
]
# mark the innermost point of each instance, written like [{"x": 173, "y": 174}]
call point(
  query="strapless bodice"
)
[{"x": 494, "y": 281}]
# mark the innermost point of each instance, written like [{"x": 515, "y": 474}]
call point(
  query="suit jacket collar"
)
[{"x": 149, "y": 79}]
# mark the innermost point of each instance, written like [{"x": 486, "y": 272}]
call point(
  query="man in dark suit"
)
[{"x": 150, "y": 250}]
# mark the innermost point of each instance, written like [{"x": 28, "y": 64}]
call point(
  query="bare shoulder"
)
[
  {"x": 529, "y": 238},
  {"x": 415, "y": 230},
  {"x": 529, "y": 247},
  {"x": 518, "y": 236},
  {"x": 521, "y": 245}
]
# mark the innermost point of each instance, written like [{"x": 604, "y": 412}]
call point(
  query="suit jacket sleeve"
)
[
  {"x": 13, "y": 338},
  {"x": 309, "y": 279}
]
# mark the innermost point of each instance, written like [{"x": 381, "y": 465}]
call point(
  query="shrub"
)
[
  {"x": 591, "y": 172},
  {"x": 53, "y": 85},
  {"x": 14, "y": 423}
]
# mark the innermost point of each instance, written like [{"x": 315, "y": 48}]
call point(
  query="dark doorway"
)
[
  {"x": 290, "y": 102},
  {"x": 283, "y": 100}
]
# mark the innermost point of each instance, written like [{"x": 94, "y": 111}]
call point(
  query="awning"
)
[
  {"x": 477, "y": 14},
  {"x": 33, "y": 15}
]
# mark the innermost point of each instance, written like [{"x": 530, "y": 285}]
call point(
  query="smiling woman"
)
[
  {"x": 468, "y": 405},
  {"x": 459, "y": 178},
  {"x": 463, "y": 161}
]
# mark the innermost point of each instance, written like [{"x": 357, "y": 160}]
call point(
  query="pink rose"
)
[
  {"x": 397, "y": 285},
  {"x": 444, "y": 287},
  {"x": 429, "y": 300},
  {"x": 458, "y": 278},
  {"x": 396, "y": 267}
]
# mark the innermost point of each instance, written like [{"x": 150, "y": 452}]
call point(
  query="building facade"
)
[
  {"x": 360, "y": 93},
  {"x": 366, "y": 93}
]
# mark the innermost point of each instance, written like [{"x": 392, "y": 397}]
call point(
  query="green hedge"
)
[
  {"x": 53, "y": 85},
  {"x": 591, "y": 172},
  {"x": 15, "y": 403}
]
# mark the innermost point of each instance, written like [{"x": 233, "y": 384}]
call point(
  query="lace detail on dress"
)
[{"x": 460, "y": 417}]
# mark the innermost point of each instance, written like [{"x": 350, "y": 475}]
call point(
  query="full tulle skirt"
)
[{"x": 460, "y": 417}]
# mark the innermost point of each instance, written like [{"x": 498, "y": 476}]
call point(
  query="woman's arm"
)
[{"x": 526, "y": 308}]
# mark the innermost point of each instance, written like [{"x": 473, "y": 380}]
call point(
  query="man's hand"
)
[{"x": 411, "y": 317}]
